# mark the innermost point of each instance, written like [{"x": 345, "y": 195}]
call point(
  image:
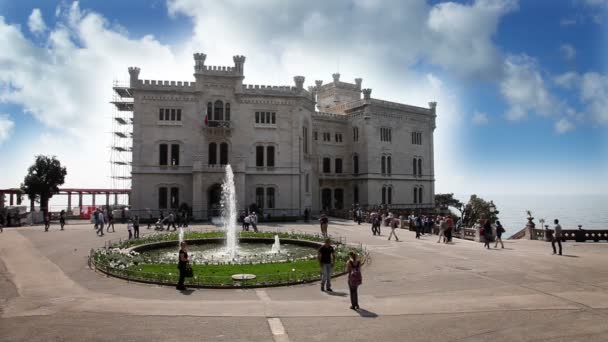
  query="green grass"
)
[{"x": 279, "y": 273}]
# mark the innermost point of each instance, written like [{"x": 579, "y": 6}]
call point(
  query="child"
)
[{"x": 130, "y": 229}]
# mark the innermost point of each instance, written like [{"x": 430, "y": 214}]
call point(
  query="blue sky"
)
[{"x": 522, "y": 86}]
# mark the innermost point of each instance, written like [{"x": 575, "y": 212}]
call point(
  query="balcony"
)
[
  {"x": 222, "y": 128},
  {"x": 218, "y": 124}
]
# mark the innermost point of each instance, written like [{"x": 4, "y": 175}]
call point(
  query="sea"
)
[{"x": 590, "y": 211}]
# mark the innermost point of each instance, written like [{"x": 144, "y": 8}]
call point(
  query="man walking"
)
[
  {"x": 100, "y": 222},
  {"x": 324, "y": 221},
  {"x": 136, "y": 227},
  {"x": 327, "y": 257},
  {"x": 557, "y": 237},
  {"x": 394, "y": 223}
]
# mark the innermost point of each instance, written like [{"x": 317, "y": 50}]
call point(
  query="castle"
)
[{"x": 326, "y": 147}]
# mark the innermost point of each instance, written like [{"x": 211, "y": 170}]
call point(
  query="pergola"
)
[{"x": 69, "y": 192}]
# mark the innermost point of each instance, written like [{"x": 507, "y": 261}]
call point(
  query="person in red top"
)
[{"x": 450, "y": 224}]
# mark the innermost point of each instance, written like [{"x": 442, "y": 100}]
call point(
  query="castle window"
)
[
  {"x": 417, "y": 138},
  {"x": 259, "y": 197},
  {"x": 218, "y": 111},
  {"x": 415, "y": 195},
  {"x": 259, "y": 156},
  {"x": 224, "y": 154},
  {"x": 174, "y": 198},
  {"x": 419, "y": 167},
  {"x": 305, "y": 139},
  {"x": 356, "y": 194},
  {"x": 174, "y": 154},
  {"x": 265, "y": 119},
  {"x": 338, "y": 165},
  {"x": 388, "y": 165},
  {"x": 179, "y": 115},
  {"x": 326, "y": 165},
  {"x": 209, "y": 111},
  {"x": 162, "y": 154},
  {"x": 169, "y": 114},
  {"x": 420, "y": 195},
  {"x": 270, "y": 197},
  {"x": 173, "y": 114},
  {"x": 326, "y": 136},
  {"x": 389, "y": 195},
  {"x": 161, "y": 114},
  {"x": 338, "y": 137},
  {"x": 414, "y": 166},
  {"x": 227, "y": 112},
  {"x": 385, "y": 134},
  {"x": 383, "y": 165},
  {"x": 356, "y": 164},
  {"x": 212, "y": 154},
  {"x": 355, "y": 134},
  {"x": 383, "y": 195},
  {"x": 338, "y": 199},
  {"x": 273, "y": 118},
  {"x": 270, "y": 156},
  {"x": 162, "y": 198}
]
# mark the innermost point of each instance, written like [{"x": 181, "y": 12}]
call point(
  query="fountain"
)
[
  {"x": 229, "y": 213},
  {"x": 276, "y": 246},
  {"x": 181, "y": 235}
]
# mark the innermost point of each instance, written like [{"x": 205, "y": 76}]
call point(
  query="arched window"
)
[
  {"x": 162, "y": 154},
  {"x": 356, "y": 164},
  {"x": 259, "y": 197},
  {"x": 390, "y": 195},
  {"x": 415, "y": 195},
  {"x": 270, "y": 198},
  {"x": 218, "y": 110},
  {"x": 212, "y": 154},
  {"x": 383, "y": 165},
  {"x": 338, "y": 199},
  {"x": 326, "y": 199},
  {"x": 338, "y": 165},
  {"x": 174, "y": 200},
  {"x": 356, "y": 194},
  {"x": 419, "y": 167},
  {"x": 383, "y": 195},
  {"x": 223, "y": 154},
  {"x": 227, "y": 111},
  {"x": 209, "y": 111},
  {"x": 414, "y": 166},
  {"x": 326, "y": 165},
  {"x": 388, "y": 165},
  {"x": 420, "y": 195},
  {"x": 270, "y": 156}
]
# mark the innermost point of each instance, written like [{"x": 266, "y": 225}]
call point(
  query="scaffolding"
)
[{"x": 122, "y": 137}]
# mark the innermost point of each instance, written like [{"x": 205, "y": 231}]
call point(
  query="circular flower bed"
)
[{"x": 132, "y": 260}]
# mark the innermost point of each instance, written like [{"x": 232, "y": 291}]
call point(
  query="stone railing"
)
[{"x": 578, "y": 235}]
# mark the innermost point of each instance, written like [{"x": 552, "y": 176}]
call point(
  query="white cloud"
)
[
  {"x": 480, "y": 118},
  {"x": 563, "y": 125},
  {"x": 6, "y": 127},
  {"x": 594, "y": 92},
  {"x": 568, "y": 52},
  {"x": 524, "y": 89},
  {"x": 567, "y": 80},
  {"x": 35, "y": 22}
]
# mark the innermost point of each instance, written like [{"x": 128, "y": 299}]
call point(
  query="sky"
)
[{"x": 521, "y": 86}]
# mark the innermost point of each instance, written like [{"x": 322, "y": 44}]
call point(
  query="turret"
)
[
  {"x": 318, "y": 83},
  {"x": 367, "y": 93},
  {"x": 299, "y": 80},
  {"x": 433, "y": 106},
  {"x": 134, "y": 76},
  {"x": 358, "y": 82},
  {"x": 239, "y": 63},
  {"x": 336, "y": 77},
  {"x": 199, "y": 62}
]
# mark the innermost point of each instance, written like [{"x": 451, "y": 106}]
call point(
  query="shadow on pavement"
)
[
  {"x": 186, "y": 292},
  {"x": 570, "y": 256},
  {"x": 336, "y": 294},
  {"x": 366, "y": 314}
]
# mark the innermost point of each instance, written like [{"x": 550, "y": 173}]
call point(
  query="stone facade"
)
[{"x": 279, "y": 140}]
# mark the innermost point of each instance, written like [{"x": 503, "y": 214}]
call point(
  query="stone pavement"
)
[{"x": 413, "y": 290}]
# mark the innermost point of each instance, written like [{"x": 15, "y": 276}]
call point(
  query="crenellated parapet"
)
[
  {"x": 270, "y": 89},
  {"x": 166, "y": 85},
  {"x": 367, "y": 93},
  {"x": 299, "y": 81},
  {"x": 218, "y": 70}
]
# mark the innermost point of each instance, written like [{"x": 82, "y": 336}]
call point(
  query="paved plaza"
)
[{"x": 413, "y": 290}]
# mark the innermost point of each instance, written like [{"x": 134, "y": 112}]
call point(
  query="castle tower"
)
[{"x": 134, "y": 76}]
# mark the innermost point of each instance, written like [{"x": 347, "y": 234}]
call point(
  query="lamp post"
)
[
  {"x": 492, "y": 210},
  {"x": 542, "y": 222}
]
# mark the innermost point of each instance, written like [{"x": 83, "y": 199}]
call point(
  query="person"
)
[
  {"x": 100, "y": 222},
  {"x": 324, "y": 221},
  {"x": 354, "y": 279},
  {"x": 306, "y": 215},
  {"x": 130, "y": 228},
  {"x": 136, "y": 227},
  {"x": 557, "y": 236},
  {"x": 246, "y": 222},
  {"x": 150, "y": 219},
  {"x": 394, "y": 223},
  {"x": 450, "y": 228},
  {"x": 487, "y": 233},
  {"x": 95, "y": 218},
  {"x": 375, "y": 224},
  {"x": 327, "y": 258},
  {"x": 171, "y": 222},
  {"x": 443, "y": 226},
  {"x": 254, "y": 221},
  {"x": 419, "y": 227},
  {"x": 62, "y": 219},
  {"x": 499, "y": 230},
  {"x": 47, "y": 221},
  {"x": 359, "y": 216},
  {"x": 242, "y": 219},
  {"x": 111, "y": 221},
  {"x": 181, "y": 265}
]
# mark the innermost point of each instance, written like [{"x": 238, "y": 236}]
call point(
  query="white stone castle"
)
[{"x": 322, "y": 148}]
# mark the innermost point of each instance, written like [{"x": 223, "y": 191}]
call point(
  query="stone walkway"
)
[{"x": 413, "y": 290}]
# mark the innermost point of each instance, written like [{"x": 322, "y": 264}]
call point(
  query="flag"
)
[{"x": 206, "y": 120}]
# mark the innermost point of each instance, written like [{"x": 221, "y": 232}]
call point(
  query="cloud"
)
[
  {"x": 6, "y": 127},
  {"x": 35, "y": 22},
  {"x": 563, "y": 125},
  {"x": 592, "y": 88},
  {"x": 568, "y": 52},
  {"x": 480, "y": 119},
  {"x": 524, "y": 89},
  {"x": 567, "y": 80}
]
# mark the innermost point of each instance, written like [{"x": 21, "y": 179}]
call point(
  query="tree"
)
[
  {"x": 478, "y": 208},
  {"x": 447, "y": 200},
  {"x": 43, "y": 180}
]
